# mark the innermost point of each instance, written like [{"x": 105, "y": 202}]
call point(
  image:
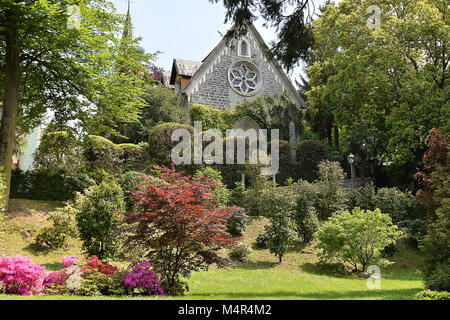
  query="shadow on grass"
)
[
  {"x": 330, "y": 269},
  {"x": 52, "y": 267},
  {"x": 256, "y": 265},
  {"x": 396, "y": 294}
]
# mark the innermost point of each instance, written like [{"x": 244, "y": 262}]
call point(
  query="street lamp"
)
[{"x": 351, "y": 160}]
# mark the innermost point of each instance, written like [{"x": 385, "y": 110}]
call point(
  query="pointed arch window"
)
[{"x": 244, "y": 49}]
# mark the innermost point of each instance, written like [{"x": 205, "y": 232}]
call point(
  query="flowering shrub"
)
[
  {"x": 144, "y": 281},
  {"x": 94, "y": 263},
  {"x": 20, "y": 275},
  {"x": 68, "y": 261},
  {"x": 240, "y": 251}
]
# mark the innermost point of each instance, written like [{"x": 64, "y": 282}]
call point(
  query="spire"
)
[{"x": 128, "y": 29}]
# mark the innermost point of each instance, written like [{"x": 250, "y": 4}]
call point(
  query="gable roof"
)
[
  {"x": 185, "y": 68},
  {"x": 206, "y": 66}
]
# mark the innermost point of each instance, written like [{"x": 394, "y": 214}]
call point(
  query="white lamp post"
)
[{"x": 351, "y": 160}]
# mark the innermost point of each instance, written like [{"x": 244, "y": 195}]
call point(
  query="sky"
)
[{"x": 186, "y": 29}]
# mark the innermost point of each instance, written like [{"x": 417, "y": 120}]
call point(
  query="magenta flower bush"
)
[
  {"x": 19, "y": 275},
  {"x": 68, "y": 261},
  {"x": 143, "y": 280}
]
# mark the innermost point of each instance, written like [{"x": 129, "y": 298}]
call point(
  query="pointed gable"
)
[{"x": 231, "y": 74}]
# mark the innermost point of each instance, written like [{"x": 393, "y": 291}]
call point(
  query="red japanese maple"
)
[{"x": 180, "y": 224}]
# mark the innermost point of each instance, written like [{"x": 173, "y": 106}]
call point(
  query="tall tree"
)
[{"x": 55, "y": 62}]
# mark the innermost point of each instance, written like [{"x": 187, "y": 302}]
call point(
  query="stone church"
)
[{"x": 231, "y": 74}]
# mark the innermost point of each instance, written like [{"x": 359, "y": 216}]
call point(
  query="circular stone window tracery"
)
[{"x": 245, "y": 78}]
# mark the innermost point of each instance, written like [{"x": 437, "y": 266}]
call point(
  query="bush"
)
[
  {"x": 363, "y": 197},
  {"x": 261, "y": 241},
  {"x": 394, "y": 202},
  {"x": 222, "y": 194},
  {"x": 357, "y": 238},
  {"x": 239, "y": 251},
  {"x": 143, "y": 281},
  {"x": 432, "y": 295},
  {"x": 101, "y": 153},
  {"x": 161, "y": 144},
  {"x": 63, "y": 226},
  {"x": 309, "y": 154},
  {"x": 97, "y": 219},
  {"x": 237, "y": 224},
  {"x": 19, "y": 275},
  {"x": 177, "y": 220},
  {"x": 251, "y": 197},
  {"x": 59, "y": 151},
  {"x": 305, "y": 215},
  {"x": 128, "y": 182},
  {"x": 279, "y": 207},
  {"x": 212, "y": 118},
  {"x": 332, "y": 195},
  {"x": 132, "y": 157}
]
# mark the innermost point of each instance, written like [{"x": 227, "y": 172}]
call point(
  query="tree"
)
[
  {"x": 389, "y": 83},
  {"x": 179, "y": 225},
  {"x": 97, "y": 219},
  {"x": 279, "y": 206},
  {"x": 357, "y": 237},
  {"x": 48, "y": 65}
]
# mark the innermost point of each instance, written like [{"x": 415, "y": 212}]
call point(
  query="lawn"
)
[{"x": 259, "y": 277}]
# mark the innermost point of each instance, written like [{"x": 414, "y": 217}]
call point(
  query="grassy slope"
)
[{"x": 260, "y": 277}]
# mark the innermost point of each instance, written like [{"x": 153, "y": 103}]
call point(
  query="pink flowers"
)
[
  {"x": 144, "y": 280},
  {"x": 19, "y": 275},
  {"x": 68, "y": 261}
]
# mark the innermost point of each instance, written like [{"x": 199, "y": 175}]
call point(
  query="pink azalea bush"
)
[
  {"x": 19, "y": 275},
  {"x": 68, "y": 261},
  {"x": 144, "y": 281}
]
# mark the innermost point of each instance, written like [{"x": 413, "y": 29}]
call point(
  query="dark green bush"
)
[
  {"x": 393, "y": 202},
  {"x": 305, "y": 215},
  {"x": 261, "y": 241},
  {"x": 133, "y": 157},
  {"x": 160, "y": 143},
  {"x": 128, "y": 182},
  {"x": 237, "y": 224},
  {"x": 309, "y": 154},
  {"x": 102, "y": 153},
  {"x": 212, "y": 118}
]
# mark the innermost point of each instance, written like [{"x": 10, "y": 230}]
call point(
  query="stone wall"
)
[{"x": 216, "y": 91}]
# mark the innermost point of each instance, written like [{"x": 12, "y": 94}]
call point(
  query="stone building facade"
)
[{"x": 231, "y": 74}]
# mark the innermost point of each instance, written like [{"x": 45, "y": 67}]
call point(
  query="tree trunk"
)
[
  {"x": 336, "y": 138},
  {"x": 10, "y": 102}
]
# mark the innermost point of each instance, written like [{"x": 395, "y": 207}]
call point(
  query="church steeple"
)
[{"x": 128, "y": 29}]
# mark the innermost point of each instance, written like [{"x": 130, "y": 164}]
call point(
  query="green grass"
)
[{"x": 259, "y": 277}]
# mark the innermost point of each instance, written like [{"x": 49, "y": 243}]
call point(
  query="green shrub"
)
[
  {"x": 94, "y": 284},
  {"x": 133, "y": 157},
  {"x": 305, "y": 215},
  {"x": 222, "y": 194},
  {"x": 332, "y": 195},
  {"x": 160, "y": 143},
  {"x": 102, "y": 153},
  {"x": 97, "y": 219},
  {"x": 363, "y": 197},
  {"x": 59, "y": 150},
  {"x": 432, "y": 295},
  {"x": 63, "y": 226},
  {"x": 393, "y": 202},
  {"x": 252, "y": 197},
  {"x": 128, "y": 182},
  {"x": 309, "y": 154},
  {"x": 357, "y": 238},
  {"x": 279, "y": 206},
  {"x": 261, "y": 241},
  {"x": 237, "y": 224},
  {"x": 239, "y": 251}
]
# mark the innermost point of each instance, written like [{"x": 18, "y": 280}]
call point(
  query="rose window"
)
[{"x": 245, "y": 78}]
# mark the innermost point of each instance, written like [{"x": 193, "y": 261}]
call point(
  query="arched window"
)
[{"x": 244, "y": 49}]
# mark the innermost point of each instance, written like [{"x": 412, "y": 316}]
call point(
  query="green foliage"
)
[
  {"x": 251, "y": 197},
  {"x": 278, "y": 205},
  {"x": 212, "y": 118},
  {"x": 237, "y": 224},
  {"x": 161, "y": 106},
  {"x": 128, "y": 182},
  {"x": 94, "y": 284},
  {"x": 332, "y": 195},
  {"x": 432, "y": 295},
  {"x": 272, "y": 112},
  {"x": 63, "y": 226},
  {"x": 261, "y": 241},
  {"x": 160, "y": 141},
  {"x": 101, "y": 153},
  {"x": 239, "y": 251},
  {"x": 357, "y": 237},
  {"x": 132, "y": 157},
  {"x": 309, "y": 154},
  {"x": 222, "y": 194},
  {"x": 363, "y": 197},
  {"x": 97, "y": 218},
  {"x": 59, "y": 150},
  {"x": 305, "y": 215},
  {"x": 48, "y": 185},
  {"x": 395, "y": 203}
]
